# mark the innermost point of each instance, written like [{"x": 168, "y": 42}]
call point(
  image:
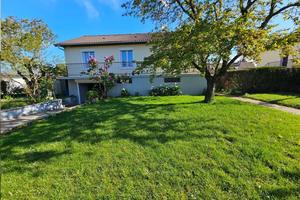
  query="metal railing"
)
[{"x": 79, "y": 69}]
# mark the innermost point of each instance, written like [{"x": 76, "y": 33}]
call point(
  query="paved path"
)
[
  {"x": 270, "y": 105},
  {"x": 9, "y": 125}
]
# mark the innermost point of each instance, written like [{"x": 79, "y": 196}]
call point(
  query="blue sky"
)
[{"x": 73, "y": 18}]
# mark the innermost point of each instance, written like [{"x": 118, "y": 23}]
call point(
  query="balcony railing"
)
[{"x": 78, "y": 69}]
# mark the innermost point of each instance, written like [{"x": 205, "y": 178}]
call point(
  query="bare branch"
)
[
  {"x": 226, "y": 65},
  {"x": 273, "y": 13},
  {"x": 185, "y": 10}
]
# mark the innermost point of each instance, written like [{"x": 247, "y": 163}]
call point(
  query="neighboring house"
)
[
  {"x": 244, "y": 65},
  {"x": 12, "y": 81},
  {"x": 127, "y": 49},
  {"x": 273, "y": 58}
]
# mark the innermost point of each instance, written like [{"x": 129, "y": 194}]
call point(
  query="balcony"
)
[
  {"x": 118, "y": 68},
  {"x": 77, "y": 69}
]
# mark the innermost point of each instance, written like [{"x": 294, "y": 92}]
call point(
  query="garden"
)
[{"x": 155, "y": 148}]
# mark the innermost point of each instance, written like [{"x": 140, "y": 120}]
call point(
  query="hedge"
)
[{"x": 258, "y": 80}]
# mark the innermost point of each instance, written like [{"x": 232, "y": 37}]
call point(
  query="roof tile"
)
[{"x": 107, "y": 39}]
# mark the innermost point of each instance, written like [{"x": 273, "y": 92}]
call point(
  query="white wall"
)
[
  {"x": 191, "y": 84},
  {"x": 73, "y": 56}
]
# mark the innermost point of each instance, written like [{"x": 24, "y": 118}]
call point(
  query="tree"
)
[
  {"x": 104, "y": 80},
  {"x": 210, "y": 36},
  {"x": 23, "y": 47}
]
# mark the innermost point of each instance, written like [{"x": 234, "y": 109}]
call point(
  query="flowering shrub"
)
[
  {"x": 165, "y": 91},
  {"x": 105, "y": 80},
  {"x": 92, "y": 62}
]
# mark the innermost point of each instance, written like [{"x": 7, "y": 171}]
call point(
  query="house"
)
[
  {"x": 273, "y": 58},
  {"x": 11, "y": 83},
  {"x": 128, "y": 50}
]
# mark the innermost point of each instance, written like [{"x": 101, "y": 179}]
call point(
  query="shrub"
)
[
  {"x": 165, "y": 91},
  {"x": 92, "y": 96},
  {"x": 124, "y": 93},
  {"x": 259, "y": 80},
  {"x": 17, "y": 92}
]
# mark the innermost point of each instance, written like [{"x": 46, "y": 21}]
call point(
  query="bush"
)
[
  {"x": 92, "y": 96},
  {"x": 260, "y": 80},
  {"x": 165, "y": 91},
  {"x": 18, "y": 92},
  {"x": 124, "y": 93}
]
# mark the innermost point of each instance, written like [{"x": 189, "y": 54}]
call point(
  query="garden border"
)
[{"x": 14, "y": 113}]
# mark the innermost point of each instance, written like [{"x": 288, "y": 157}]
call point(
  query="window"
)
[
  {"x": 127, "y": 58},
  {"x": 172, "y": 80},
  {"x": 124, "y": 79},
  {"x": 85, "y": 57}
]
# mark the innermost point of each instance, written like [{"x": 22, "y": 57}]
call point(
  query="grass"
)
[
  {"x": 156, "y": 148},
  {"x": 291, "y": 100},
  {"x": 12, "y": 103}
]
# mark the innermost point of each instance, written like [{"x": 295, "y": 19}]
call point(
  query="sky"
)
[{"x": 73, "y": 18}]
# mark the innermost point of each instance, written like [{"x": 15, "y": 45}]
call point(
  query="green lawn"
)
[
  {"x": 291, "y": 100},
  {"x": 12, "y": 103},
  {"x": 156, "y": 148}
]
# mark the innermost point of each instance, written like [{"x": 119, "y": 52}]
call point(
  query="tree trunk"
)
[{"x": 210, "y": 91}]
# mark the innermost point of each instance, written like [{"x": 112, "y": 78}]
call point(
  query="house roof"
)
[{"x": 89, "y": 40}]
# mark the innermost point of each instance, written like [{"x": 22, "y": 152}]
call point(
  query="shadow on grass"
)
[
  {"x": 146, "y": 124},
  {"x": 284, "y": 193}
]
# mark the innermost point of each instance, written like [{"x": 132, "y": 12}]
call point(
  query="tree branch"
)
[
  {"x": 226, "y": 66},
  {"x": 272, "y": 13},
  {"x": 244, "y": 10},
  {"x": 185, "y": 10}
]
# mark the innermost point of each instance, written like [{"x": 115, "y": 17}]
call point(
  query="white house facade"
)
[{"x": 127, "y": 49}]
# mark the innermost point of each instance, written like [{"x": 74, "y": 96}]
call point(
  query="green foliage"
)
[
  {"x": 261, "y": 80},
  {"x": 17, "y": 92},
  {"x": 92, "y": 96},
  {"x": 210, "y": 36},
  {"x": 60, "y": 70},
  {"x": 24, "y": 43},
  {"x": 100, "y": 74},
  {"x": 285, "y": 99},
  {"x": 9, "y": 102},
  {"x": 155, "y": 148},
  {"x": 124, "y": 93},
  {"x": 165, "y": 90}
]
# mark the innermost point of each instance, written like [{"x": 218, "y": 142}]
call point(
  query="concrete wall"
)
[
  {"x": 190, "y": 84},
  {"x": 73, "y": 56},
  {"x": 31, "y": 109}
]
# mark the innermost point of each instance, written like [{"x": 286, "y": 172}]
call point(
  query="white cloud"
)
[{"x": 90, "y": 9}]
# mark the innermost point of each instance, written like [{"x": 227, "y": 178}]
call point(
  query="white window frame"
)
[
  {"x": 84, "y": 62},
  {"x": 127, "y": 62}
]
